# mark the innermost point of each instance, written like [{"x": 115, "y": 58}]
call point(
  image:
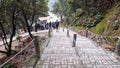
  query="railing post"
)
[
  {"x": 86, "y": 32},
  {"x": 36, "y": 44},
  {"x": 117, "y": 49},
  {"x": 63, "y": 29},
  {"x": 67, "y": 32},
  {"x": 49, "y": 32},
  {"x": 74, "y": 40}
]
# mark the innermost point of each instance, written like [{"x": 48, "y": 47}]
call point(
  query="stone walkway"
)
[
  {"x": 93, "y": 56},
  {"x": 60, "y": 54}
]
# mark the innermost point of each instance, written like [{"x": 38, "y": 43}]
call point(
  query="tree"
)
[
  {"x": 30, "y": 11},
  {"x": 10, "y": 11},
  {"x": 18, "y": 14},
  {"x": 89, "y": 9}
]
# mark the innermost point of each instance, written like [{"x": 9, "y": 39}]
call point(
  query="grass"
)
[
  {"x": 105, "y": 27},
  {"x": 77, "y": 28},
  {"x": 98, "y": 29},
  {"x": 112, "y": 40}
]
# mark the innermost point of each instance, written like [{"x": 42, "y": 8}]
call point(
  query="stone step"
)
[
  {"x": 60, "y": 47},
  {"x": 59, "y": 66},
  {"x": 47, "y": 62},
  {"x": 59, "y": 55},
  {"x": 59, "y": 60}
]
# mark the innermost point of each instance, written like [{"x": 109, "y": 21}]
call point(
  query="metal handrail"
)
[{"x": 16, "y": 54}]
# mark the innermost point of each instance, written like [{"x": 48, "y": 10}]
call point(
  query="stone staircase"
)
[{"x": 59, "y": 53}]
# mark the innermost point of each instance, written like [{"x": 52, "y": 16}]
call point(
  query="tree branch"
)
[
  {"x": 4, "y": 43},
  {"x": 13, "y": 31},
  {"x": 4, "y": 52},
  {"x": 4, "y": 33}
]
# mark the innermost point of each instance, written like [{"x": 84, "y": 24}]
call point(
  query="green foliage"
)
[
  {"x": 84, "y": 17},
  {"x": 98, "y": 16},
  {"x": 93, "y": 14},
  {"x": 102, "y": 27},
  {"x": 112, "y": 40},
  {"x": 92, "y": 24},
  {"x": 7, "y": 65},
  {"x": 115, "y": 25},
  {"x": 99, "y": 28},
  {"x": 93, "y": 11},
  {"x": 16, "y": 14},
  {"x": 69, "y": 1}
]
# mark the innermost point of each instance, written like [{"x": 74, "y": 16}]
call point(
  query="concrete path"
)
[
  {"x": 60, "y": 54},
  {"x": 92, "y": 55}
]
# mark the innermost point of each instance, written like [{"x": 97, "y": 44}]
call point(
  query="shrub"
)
[{"x": 115, "y": 25}]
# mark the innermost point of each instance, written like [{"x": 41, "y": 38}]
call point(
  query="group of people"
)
[{"x": 45, "y": 25}]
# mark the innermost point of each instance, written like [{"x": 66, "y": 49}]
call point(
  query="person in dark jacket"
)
[
  {"x": 36, "y": 27},
  {"x": 57, "y": 25}
]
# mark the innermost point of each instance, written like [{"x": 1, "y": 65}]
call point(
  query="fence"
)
[
  {"x": 19, "y": 60},
  {"x": 26, "y": 52}
]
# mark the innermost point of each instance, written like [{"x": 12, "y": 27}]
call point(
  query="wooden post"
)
[
  {"x": 86, "y": 32},
  {"x": 49, "y": 32},
  {"x": 36, "y": 44},
  {"x": 117, "y": 49},
  {"x": 67, "y": 32},
  {"x": 74, "y": 40},
  {"x": 63, "y": 29}
]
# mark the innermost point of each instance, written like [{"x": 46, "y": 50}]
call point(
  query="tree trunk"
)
[
  {"x": 25, "y": 17},
  {"x": 34, "y": 12},
  {"x": 4, "y": 34},
  {"x": 13, "y": 32},
  {"x": 24, "y": 29},
  {"x": 28, "y": 27}
]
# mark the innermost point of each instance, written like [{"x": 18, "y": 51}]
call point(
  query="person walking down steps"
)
[{"x": 57, "y": 25}]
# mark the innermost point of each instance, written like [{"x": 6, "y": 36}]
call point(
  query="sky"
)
[
  {"x": 53, "y": 16},
  {"x": 50, "y": 4}
]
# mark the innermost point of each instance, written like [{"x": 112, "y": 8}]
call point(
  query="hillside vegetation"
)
[
  {"x": 99, "y": 16},
  {"x": 108, "y": 25}
]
